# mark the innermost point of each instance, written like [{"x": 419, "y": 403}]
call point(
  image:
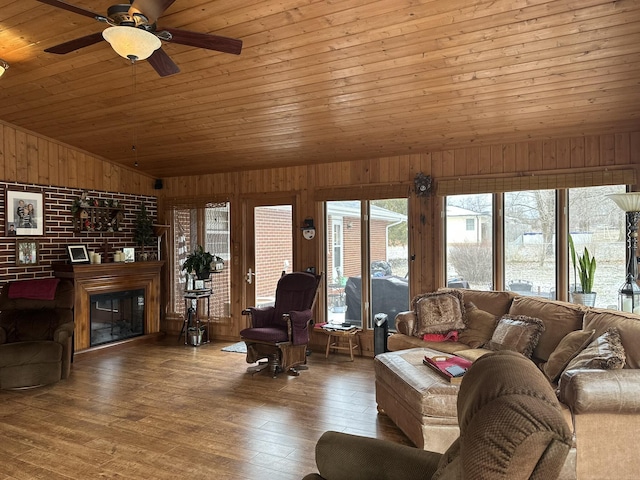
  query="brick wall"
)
[
  {"x": 58, "y": 229},
  {"x": 272, "y": 254}
]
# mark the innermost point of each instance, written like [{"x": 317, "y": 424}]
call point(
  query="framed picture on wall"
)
[
  {"x": 27, "y": 251},
  {"x": 24, "y": 213}
]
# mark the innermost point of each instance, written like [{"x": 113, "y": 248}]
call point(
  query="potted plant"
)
[
  {"x": 584, "y": 269},
  {"x": 195, "y": 335},
  {"x": 198, "y": 262}
]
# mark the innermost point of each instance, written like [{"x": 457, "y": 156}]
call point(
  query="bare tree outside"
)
[{"x": 530, "y": 247}]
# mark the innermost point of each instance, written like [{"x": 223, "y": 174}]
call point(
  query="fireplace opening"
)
[{"x": 116, "y": 316}]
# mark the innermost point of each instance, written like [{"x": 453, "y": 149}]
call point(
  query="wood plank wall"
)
[
  {"x": 509, "y": 159},
  {"x": 578, "y": 154},
  {"x": 29, "y": 158}
]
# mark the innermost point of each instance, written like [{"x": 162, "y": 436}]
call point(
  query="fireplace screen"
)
[{"x": 116, "y": 316}]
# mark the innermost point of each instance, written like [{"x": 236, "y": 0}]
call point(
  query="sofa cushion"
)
[
  {"x": 628, "y": 326},
  {"x": 570, "y": 346},
  {"x": 605, "y": 352},
  {"x": 473, "y": 353},
  {"x": 480, "y": 326},
  {"x": 559, "y": 319},
  {"x": 517, "y": 333},
  {"x": 438, "y": 312},
  {"x": 496, "y": 302}
]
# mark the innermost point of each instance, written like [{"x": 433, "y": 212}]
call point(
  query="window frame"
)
[{"x": 561, "y": 237}]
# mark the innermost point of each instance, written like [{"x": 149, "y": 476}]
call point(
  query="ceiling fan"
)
[{"x": 133, "y": 34}]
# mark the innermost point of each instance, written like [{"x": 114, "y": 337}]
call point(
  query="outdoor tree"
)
[{"x": 397, "y": 233}]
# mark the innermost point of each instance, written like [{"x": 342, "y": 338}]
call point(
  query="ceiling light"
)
[
  {"x": 3, "y": 66},
  {"x": 132, "y": 43}
]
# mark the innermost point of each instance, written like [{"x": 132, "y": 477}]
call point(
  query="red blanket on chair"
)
[{"x": 39, "y": 289}]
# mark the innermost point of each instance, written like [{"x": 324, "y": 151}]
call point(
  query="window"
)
[
  {"x": 336, "y": 257},
  {"x": 471, "y": 224},
  {"x": 527, "y": 258},
  {"x": 469, "y": 256},
  {"x": 386, "y": 288},
  {"x": 215, "y": 237},
  {"x": 343, "y": 261},
  {"x": 218, "y": 242},
  {"x": 596, "y": 223},
  {"x": 529, "y": 242}
]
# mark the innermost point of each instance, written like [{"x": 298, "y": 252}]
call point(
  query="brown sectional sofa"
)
[{"x": 601, "y": 406}]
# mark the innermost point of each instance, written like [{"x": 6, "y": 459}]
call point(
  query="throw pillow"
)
[
  {"x": 480, "y": 326},
  {"x": 518, "y": 333},
  {"x": 570, "y": 346},
  {"x": 438, "y": 312},
  {"x": 605, "y": 352}
]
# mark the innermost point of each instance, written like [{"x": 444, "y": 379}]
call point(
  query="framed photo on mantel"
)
[
  {"x": 24, "y": 213},
  {"x": 78, "y": 254}
]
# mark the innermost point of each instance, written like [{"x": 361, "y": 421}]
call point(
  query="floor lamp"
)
[{"x": 629, "y": 292}]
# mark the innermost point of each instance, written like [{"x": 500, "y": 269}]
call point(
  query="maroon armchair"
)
[{"x": 281, "y": 332}]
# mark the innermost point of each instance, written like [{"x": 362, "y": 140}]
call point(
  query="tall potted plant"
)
[
  {"x": 198, "y": 262},
  {"x": 584, "y": 267},
  {"x": 143, "y": 231}
]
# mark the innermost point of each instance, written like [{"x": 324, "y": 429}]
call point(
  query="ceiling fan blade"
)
[
  {"x": 152, "y": 9},
  {"x": 162, "y": 63},
  {"x": 204, "y": 40},
  {"x": 70, "y": 8},
  {"x": 72, "y": 45}
]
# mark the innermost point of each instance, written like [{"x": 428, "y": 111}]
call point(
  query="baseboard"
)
[{"x": 114, "y": 346}]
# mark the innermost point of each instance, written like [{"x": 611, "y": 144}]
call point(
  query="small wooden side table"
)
[
  {"x": 192, "y": 316},
  {"x": 336, "y": 341}
]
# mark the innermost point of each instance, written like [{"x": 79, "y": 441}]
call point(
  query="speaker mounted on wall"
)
[{"x": 158, "y": 184}]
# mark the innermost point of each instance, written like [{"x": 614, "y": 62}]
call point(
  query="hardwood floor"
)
[{"x": 169, "y": 411}]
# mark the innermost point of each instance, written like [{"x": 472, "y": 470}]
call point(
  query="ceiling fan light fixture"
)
[
  {"x": 3, "y": 67},
  {"x": 131, "y": 42}
]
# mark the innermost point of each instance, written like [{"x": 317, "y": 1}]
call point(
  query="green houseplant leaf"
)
[
  {"x": 572, "y": 250},
  {"x": 198, "y": 262},
  {"x": 586, "y": 271}
]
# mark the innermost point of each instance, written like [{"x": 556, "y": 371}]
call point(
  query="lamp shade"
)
[
  {"x": 131, "y": 42},
  {"x": 3, "y": 66},
  {"x": 628, "y": 202}
]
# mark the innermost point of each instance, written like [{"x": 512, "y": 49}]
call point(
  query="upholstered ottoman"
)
[{"x": 419, "y": 401}]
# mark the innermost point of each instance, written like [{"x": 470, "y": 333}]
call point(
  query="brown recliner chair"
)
[
  {"x": 511, "y": 428},
  {"x": 281, "y": 332},
  {"x": 36, "y": 332}
]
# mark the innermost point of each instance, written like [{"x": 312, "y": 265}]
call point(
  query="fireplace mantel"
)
[{"x": 111, "y": 277}]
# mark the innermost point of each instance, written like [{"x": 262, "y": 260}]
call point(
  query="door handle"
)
[{"x": 250, "y": 276}]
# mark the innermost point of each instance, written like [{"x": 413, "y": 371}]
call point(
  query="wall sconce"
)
[
  {"x": 629, "y": 292},
  {"x": 3, "y": 67}
]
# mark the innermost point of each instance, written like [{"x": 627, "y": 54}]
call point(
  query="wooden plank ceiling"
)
[{"x": 322, "y": 81}]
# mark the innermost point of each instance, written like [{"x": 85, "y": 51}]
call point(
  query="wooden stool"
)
[{"x": 337, "y": 335}]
